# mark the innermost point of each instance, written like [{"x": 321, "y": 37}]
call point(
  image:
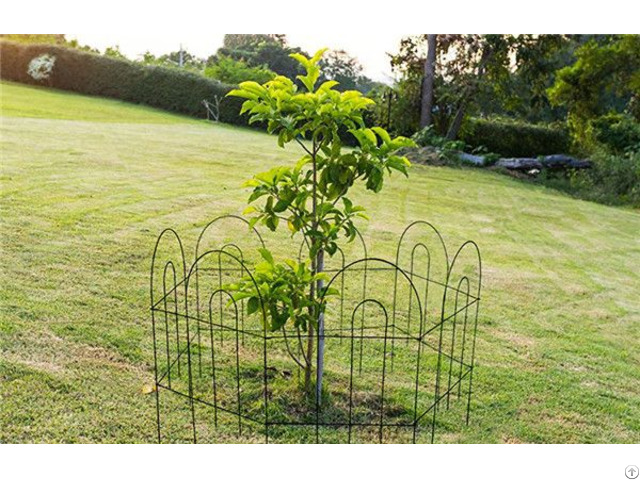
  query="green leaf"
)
[
  {"x": 368, "y": 133},
  {"x": 382, "y": 133},
  {"x": 272, "y": 222},
  {"x": 253, "y": 221},
  {"x": 302, "y": 162},
  {"x": 253, "y": 305},
  {"x": 318, "y": 55},
  {"x": 281, "y": 205},
  {"x": 304, "y": 61},
  {"x": 253, "y": 87},
  {"x": 268, "y": 207},
  {"x": 242, "y": 94},
  {"x": 256, "y": 194},
  {"x": 249, "y": 209},
  {"x": 239, "y": 296},
  {"x": 266, "y": 254},
  {"x": 328, "y": 85},
  {"x": 321, "y": 276},
  {"x": 330, "y": 291}
]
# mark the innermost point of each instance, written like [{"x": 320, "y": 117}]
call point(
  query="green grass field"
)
[{"x": 87, "y": 184}]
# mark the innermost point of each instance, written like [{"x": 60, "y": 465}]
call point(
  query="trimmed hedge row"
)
[
  {"x": 514, "y": 139},
  {"x": 90, "y": 74}
]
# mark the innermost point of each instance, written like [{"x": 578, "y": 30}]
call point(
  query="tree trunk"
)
[
  {"x": 454, "y": 128},
  {"x": 428, "y": 81},
  {"x": 309, "y": 357},
  {"x": 314, "y": 266},
  {"x": 456, "y": 123},
  {"x": 320, "y": 359}
]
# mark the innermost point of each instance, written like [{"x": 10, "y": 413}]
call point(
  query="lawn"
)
[{"x": 87, "y": 184}]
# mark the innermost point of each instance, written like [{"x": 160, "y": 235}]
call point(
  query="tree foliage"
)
[
  {"x": 326, "y": 172},
  {"x": 228, "y": 70},
  {"x": 605, "y": 77},
  {"x": 311, "y": 197},
  {"x": 282, "y": 290},
  {"x": 338, "y": 65},
  {"x": 176, "y": 59},
  {"x": 485, "y": 75}
]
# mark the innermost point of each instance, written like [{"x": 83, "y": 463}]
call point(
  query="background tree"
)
[
  {"x": 273, "y": 52},
  {"x": 466, "y": 62},
  {"x": 250, "y": 41},
  {"x": 113, "y": 52},
  {"x": 338, "y": 65},
  {"x": 604, "y": 78},
  {"x": 59, "y": 39},
  {"x": 177, "y": 59},
  {"x": 181, "y": 58},
  {"x": 261, "y": 50},
  {"x": 482, "y": 75}
]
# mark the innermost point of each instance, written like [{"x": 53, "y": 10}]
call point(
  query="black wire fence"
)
[{"x": 399, "y": 344}]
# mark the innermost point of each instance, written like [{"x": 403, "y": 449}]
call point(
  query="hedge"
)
[
  {"x": 90, "y": 74},
  {"x": 512, "y": 139}
]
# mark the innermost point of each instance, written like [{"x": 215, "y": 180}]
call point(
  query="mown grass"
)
[{"x": 87, "y": 184}]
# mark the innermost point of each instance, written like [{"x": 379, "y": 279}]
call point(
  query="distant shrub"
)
[
  {"x": 87, "y": 73},
  {"x": 613, "y": 180},
  {"x": 617, "y": 132},
  {"x": 428, "y": 137},
  {"x": 512, "y": 139}
]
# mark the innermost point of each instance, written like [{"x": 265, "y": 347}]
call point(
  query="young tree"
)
[{"x": 310, "y": 197}]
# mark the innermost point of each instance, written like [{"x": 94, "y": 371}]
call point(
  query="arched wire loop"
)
[
  {"x": 170, "y": 235},
  {"x": 221, "y": 218},
  {"x": 235, "y": 330},
  {"x": 411, "y": 256},
  {"x": 413, "y": 227},
  {"x": 384, "y": 365},
  {"x": 358, "y": 265},
  {"x": 461, "y": 300},
  {"x": 169, "y": 267}
]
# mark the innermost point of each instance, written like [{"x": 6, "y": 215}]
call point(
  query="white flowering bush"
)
[{"x": 41, "y": 67}]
